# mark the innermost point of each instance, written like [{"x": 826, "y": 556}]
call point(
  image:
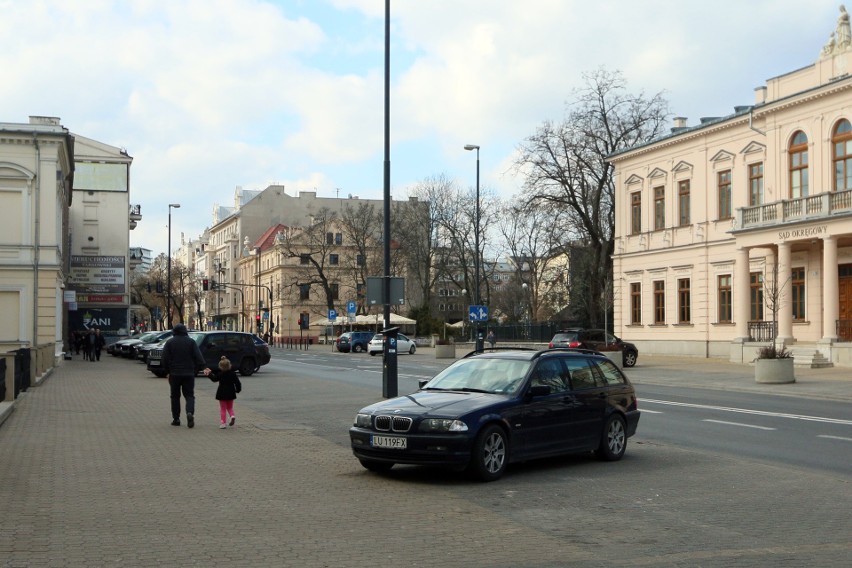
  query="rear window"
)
[{"x": 565, "y": 337}]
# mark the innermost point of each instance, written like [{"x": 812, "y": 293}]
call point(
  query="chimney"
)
[
  {"x": 760, "y": 95},
  {"x": 680, "y": 122}
]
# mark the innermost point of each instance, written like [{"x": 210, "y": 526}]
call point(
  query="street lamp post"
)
[
  {"x": 476, "y": 229},
  {"x": 479, "y": 340},
  {"x": 169, "y": 268}
]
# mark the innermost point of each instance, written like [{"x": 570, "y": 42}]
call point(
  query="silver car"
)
[{"x": 403, "y": 344}]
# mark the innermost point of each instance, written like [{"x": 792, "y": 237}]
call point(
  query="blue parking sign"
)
[{"x": 332, "y": 315}]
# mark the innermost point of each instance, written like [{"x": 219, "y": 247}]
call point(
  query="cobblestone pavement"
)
[{"x": 93, "y": 474}]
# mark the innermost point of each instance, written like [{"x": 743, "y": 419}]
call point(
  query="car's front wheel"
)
[
  {"x": 490, "y": 454},
  {"x": 376, "y": 466},
  {"x": 614, "y": 439},
  {"x": 630, "y": 358},
  {"x": 247, "y": 367},
  {"x": 412, "y": 350}
]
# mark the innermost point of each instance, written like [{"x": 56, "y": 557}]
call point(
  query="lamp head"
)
[{"x": 471, "y": 147}]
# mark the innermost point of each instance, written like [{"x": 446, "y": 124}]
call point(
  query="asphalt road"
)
[{"x": 785, "y": 431}]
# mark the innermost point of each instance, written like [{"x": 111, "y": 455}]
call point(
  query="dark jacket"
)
[
  {"x": 229, "y": 384},
  {"x": 181, "y": 355}
]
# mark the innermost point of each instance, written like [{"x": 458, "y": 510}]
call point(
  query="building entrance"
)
[{"x": 844, "y": 327}]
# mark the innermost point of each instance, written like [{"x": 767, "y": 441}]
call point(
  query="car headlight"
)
[
  {"x": 362, "y": 420},
  {"x": 442, "y": 425}
]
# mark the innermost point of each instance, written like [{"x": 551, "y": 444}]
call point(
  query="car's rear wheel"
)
[
  {"x": 630, "y": 358},
  {"x": 412, "y": 350},
  {"x": 490, "y": 454},
  {"x": 247, "y": 367},
  {"x": 357, "y": 348},
  {"x": 614, "y": 439},
  {"x": 376, "y": 466},
  {"x": 374, "y": 353}
]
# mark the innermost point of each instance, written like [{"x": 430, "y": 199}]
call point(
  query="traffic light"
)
[
  {"x": 213, "y": 285},
  {"x": 205, "y": 284}
]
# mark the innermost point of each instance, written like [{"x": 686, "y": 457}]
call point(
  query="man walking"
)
[{"x": 182, "y": 360}]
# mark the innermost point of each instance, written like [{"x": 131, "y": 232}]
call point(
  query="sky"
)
[{"x": 211, "y": 95}]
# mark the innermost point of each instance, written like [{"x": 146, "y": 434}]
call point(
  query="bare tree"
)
[
  {"x": 313, "y": 246},
  {"x": 362, "y": 229},
  {"x": 566, "y": 167},
  {"x": 534, "y": 246}
]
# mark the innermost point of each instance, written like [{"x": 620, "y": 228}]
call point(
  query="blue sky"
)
[{"x": 208, "y": 95}]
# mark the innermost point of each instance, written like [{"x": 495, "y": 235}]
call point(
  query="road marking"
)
[
  {"x": 748, "y": 411},
  {"x": 646, "y": 411},
  {"x": 835, "y": 437},
  {"x": 739, "y": 424}
]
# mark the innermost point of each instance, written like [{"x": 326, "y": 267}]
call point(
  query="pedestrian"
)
[
  {"x": 226, "y": 394},
  {"x": 491, "y": 339},
  {"x": 181, "y": 361},
  {"x": 100, "y": 341},
  {"x": 91, "y": 340}
]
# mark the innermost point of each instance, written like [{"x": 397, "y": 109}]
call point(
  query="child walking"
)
[{"x": 229, "y": 386}]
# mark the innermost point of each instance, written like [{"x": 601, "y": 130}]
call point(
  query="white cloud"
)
[{"x": 211, "y": 94}]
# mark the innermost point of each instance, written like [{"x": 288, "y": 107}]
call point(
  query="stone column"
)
[
  {"x": 784, "y": 282},
  {"x": 741, "y": 294},
  {"x": 830, "y": 290}
]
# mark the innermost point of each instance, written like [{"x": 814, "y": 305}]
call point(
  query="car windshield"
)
[
  {"x": 492, "y": 375},
  {"x": 197, "y": 337},
  {"x": 377, "y": 337}
]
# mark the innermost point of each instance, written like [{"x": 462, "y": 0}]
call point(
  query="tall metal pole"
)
[
  {"x": 475, "y": 229},
  {"x": 389, "y": 374},
  {"x": 169, "y": 269}
]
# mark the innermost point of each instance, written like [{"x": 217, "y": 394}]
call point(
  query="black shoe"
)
[
  {"x": 175, "y": 422},
  {"x": 190, "y": 421}
]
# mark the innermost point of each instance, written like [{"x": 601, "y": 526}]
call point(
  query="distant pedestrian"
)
[
  {"x": 89, "y": 345},
  {"x": 100, "y": 341},
  {"x": 226, "y": 394},
  {"x": 491, "y": 339},
  {"x": 181, "y": 360}
]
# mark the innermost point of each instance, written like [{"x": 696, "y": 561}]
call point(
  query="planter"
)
[
  {"x": 445, "y": 352},
  {"x": 774, "y": 371}
]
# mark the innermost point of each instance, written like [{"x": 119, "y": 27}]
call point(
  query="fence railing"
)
[{"x": 762, "y": 330}]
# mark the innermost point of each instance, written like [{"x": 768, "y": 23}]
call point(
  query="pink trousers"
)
[{"x": 226, "y": 407}]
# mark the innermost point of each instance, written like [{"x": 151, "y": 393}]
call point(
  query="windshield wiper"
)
[{"x": 468, "y": 389}]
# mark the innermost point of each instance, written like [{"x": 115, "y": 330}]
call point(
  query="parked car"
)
[
  {"x": 237, "y": 346},
  {"x": 122, "y": 346},
  {"x": 493, "y": 408},
  {"x": 354, "y": 341},
  {"x": 403, "y": 344},
  {"x": 598, "y": 340},
  {"x": 141, "y": 349}
]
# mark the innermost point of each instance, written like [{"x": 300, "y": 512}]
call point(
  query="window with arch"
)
[
  {"x": 799, "y": 165},
  {"x": 841, "y": 141}
]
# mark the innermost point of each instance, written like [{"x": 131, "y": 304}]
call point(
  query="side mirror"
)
[
  {"x": 539, "y": 390},
  {"x": 422, "y": 383}
]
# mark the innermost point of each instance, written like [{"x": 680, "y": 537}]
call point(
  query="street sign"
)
[
  {"x": 351, "y": 308},
  {"x": 477, "y": 313},
  {"x": 332, "y": 315}
]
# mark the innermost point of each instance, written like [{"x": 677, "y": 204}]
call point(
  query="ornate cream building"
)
[{"x": 739, "y": 229}]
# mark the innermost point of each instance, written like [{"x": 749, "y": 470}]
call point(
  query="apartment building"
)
[
  {"x": 239, "y": 252},
  {"x": 738, "y": 230}
]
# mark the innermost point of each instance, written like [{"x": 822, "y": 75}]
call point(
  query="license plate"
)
[
  {"x": 389, "y": 442},
  {"x": 154, "y": 362}
]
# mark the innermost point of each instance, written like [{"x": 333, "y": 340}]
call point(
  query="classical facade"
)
[
  {"x": 738, "y": 230},
  {"x": 36, "y": 175}
]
